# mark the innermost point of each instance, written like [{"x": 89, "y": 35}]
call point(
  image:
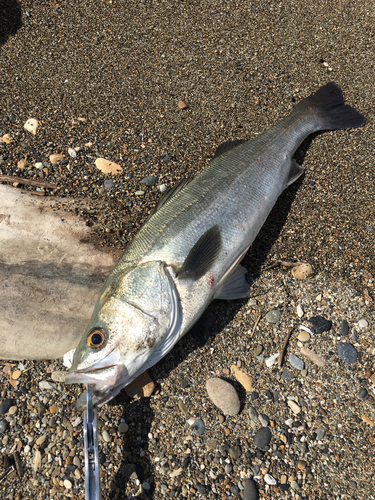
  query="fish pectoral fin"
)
[
  {"x": 235, "y": 286},
  {"x": 203, "y": 255},
  {"x": 227, "y": 146},
  {"x": 168, "y": 194},
  {"x": 296, "y": 170}
]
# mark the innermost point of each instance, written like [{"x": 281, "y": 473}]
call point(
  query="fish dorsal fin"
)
[
  {"x": 203, "y": 255},
  {"x": 296, "y": 170},
  {"x": 169, "y": 193},
  {"x": 227, "y": 146}
]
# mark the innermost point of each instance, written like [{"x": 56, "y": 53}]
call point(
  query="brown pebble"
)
[
  {"x": 107, "y": 167},
  {"x": 16, "y": 374},
  {"x": 301, "y": 464},
  {"x": 301, "y": 271},
  {"x": 182, "y": 105},
  {"x": 313, "y": 356},
  {"x": 367, "y": 374},
  {"x": 227, "y": 431},
  {"x": 22, "y": 164},
  {"x": 221, "y": 419},
  {"x": 243, "y": 378},
  {"x": 183, "y": 408},
  {"x": 53, "y": 409}
]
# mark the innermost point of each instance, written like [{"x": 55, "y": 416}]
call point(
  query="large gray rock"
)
[{"x": 223, "y": 395}]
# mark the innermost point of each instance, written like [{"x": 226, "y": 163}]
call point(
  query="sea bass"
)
[{"x": 189, "y": 251}]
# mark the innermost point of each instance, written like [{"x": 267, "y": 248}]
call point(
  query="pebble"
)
[
  {"x": 320, "y": 433},
  {"x": 3, "y": 426},
  {"x": 12, "y": 410},
  {"x": 258, "y": 350},
  {"x": 139, "y": 193},
  {"x": 106, "y": 436},
  {"x": 250, "y": 491},
  {"x": 55, "y": 157},
  {"x": 313, "y": 356},
  {"x": 362, "y": 323},
  {"x": 320, "y": 324},
  {"x": 107, "y": 167},
  {"x": 123, "y": 428},
  {"x": 273, "y": 316},
  {"x": 294, "y": 406},
  {"x": 235, "y": 452},
  {"x": 228, "y": 468},
  {"x": 363, "y": 393},
  {"x": 199, "y": 427},
  {"x": 53, "y": 409},
  {"x": 150, "y": 180},
  {"x": 301, "y": 271},
  {"x": 243, "y": 378},
  {"x": 38, "y": 165},
  {"x": 40, "y": 440},
  {"x": 300, "y": 311},
  {"x": 68, "y": 485},
  {"x": 182, "y": 105},
  {"x": 22, "y": 164},
  {"x": 272, "y": 359},
  {"x": 296, "y": 362},
  {"x": 16, "y": 374},
  {"x": 347, "y": 352},
  {"x": 221, "y": 418},
  {"x": 223, "y": 395},
  {"x": 269, "y": 479},
  {"x": 108, "y": 184},
  {"x": 304, "y": 336},
  {"x": 344, "y": 328},
  {"x": 72, "y": 152},
  {"x": 262, "y": 438},
  {"x": 4, "y": 406},
  {"x": 263, "y": 419},
  {"x": 301, "y": 464},
  {"x": 253, "y": 413},
  {"x": 31, "y": 125},
  {"x": 44, "y": 384}
]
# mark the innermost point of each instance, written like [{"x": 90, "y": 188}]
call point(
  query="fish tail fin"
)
[{"x": 328, "y": 106}]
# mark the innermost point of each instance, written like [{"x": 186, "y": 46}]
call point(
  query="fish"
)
[{"x": 188, "y": 252}]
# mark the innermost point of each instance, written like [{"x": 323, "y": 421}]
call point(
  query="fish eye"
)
[{"x": 96, "y": 338}]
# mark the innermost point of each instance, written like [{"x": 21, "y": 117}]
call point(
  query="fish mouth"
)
[{"x": 99, "y": 377}]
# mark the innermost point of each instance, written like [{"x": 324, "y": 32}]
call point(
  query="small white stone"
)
[
  {"x": 362, "y": 323},
  {"x": 44, "y": 384},
  {"x": 271, "y": 360},
  {"x": 67, "y": 484},
  {"x": 39, "y": 165},
  {"x": 77, "y": 421},
  {"x": 269, "y": 479},
  {"x": 300, "y": 312},
  {"x": 289, "y": 422},
  {"x": 162, "y": 188},
  {"x": 72, "y": 152},
  {"x": 31, "y": 125}
]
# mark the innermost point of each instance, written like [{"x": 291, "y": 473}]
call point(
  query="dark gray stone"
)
[
  {"x": 320, "y": 324},
  {"x": 251, "y": 491},
  {"x": 235, "y": 452},
  {"x": 199, "y": 427},
  {"x": 4, "y": 406},
  {"x": 262, "y": 438},
  {"x": 344, "y": 328},
  {"x": 150, "y": 180},
  {"x": 347, "y": 352}
]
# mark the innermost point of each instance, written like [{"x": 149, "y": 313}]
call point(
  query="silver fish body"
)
[{"x": 188, "y": 252}]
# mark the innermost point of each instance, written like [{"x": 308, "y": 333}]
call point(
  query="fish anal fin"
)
[
  {"x": 235, "y": 285},
  {"x": 296, "y": 170},
  {"x": 227, "y": 146},
  {"x": 203, "y": 255}
]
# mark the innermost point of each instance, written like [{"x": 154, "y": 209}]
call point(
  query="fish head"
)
[{"x": 133, "y": 325}]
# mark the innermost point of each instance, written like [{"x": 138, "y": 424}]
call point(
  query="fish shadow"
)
[{"x": 10, "y": 19}]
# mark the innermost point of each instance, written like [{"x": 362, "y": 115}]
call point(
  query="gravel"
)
[{"x": 104, "y": 79}]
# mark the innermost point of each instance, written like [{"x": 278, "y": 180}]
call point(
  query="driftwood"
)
[{"x": 51, "y": 273}]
